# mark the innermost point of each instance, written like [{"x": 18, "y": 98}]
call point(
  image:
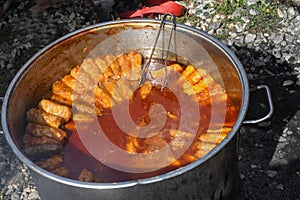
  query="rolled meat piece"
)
[
  {"x": 203, "y": 85},
  {"x": 213, "y": 137},
  {"x": 60, "y": 171},
  {"x": 83, "y": 77},
  {"x": 160, "y": 73},
  {"x": 83, "y": 117},
  {"x": 75, "y": 85},
  {"x": 51, "y": 163},
  {"x": 80, "y": 93},
  {"x": 136, "y": 59},
  {"x": 125, "y": 63},
  {"x": 103, "y": 98},
  {"x": 111, "y": 60},
  {"x": 61, "y": 100},
  {"x": 39, "y": 130},
  {"x": 56, "y": 109},
  {"x": 89, "y": 66},
  {"x": 41, "y": 117},
  {"x": 101, "y": 64},
  {"x": 41, "y": 147},
  {"x": 62, "y": 90},
  {"x": 124, "y": 90}
]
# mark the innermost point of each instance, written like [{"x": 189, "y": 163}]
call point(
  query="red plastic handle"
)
[{"x": 163, "y": 7}]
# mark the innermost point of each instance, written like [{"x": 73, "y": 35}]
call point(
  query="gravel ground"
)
[{"x": 269, "y": 154}]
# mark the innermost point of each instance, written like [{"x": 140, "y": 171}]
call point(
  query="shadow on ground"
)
[{"x": 269, "y": 156}]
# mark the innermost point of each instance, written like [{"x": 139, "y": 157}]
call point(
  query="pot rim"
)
[{"x": 22, "y": 72}]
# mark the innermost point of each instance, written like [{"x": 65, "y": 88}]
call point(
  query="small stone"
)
[
  {"x": 215, "y": 25},
  {"x": 279, "y": 186},
  {"x": 211, "y": 32},
  {"x": 239, "y": 27},
  {"x": 220, "y": 31},
  {"x": 242, "y": 176},
  {"x": 21, "y": 6},
  {"x": 240, "y": 157},
  {"x": 277, "y": 53},
  {"x": 27, "y": 190},
  {"x": 253, "y": 166},
  {"x": 282, "y": 139},
  {"x": 251, "y": 2},
  {"x": 289, "y": 132},
  {"x": 14, "y": 196},
  {"x": 246, "y": 19},
  {"x": 288, "y": 83},
  {"x": 291, "y": 12},
  {"x": 271, "y": 173},
  {"x": 250, "y": 76},
  {"x": 280, "y": 13},
  {"x": 253, "y": 12},
  {"x": 230, "y": 26},
  {"x": 278, "y": 38},
  {"x": 33, "y": 196},
  {"x": 249, "y": 38}
]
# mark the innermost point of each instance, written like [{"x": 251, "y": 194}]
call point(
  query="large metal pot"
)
[{"x": 211, "y": 177}]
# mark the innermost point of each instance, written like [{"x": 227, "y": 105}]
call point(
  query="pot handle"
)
[{"x": 267, "y": 116}]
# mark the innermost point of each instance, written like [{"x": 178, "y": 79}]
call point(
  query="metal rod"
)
[
  {"x": 165, "y": 59},
  {"x": 271, "y": 110}
]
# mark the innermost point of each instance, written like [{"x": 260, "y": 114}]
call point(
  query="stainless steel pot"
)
[{"x": 211, "y": 177}]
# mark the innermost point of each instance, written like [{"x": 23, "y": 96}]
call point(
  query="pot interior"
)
[{"x": 34, "y": 80}]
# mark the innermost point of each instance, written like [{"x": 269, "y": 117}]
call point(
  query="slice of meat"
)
[
  {"x": 56, "y": 109},
  {"x": 145, "y": 90},
  {"x": 86, "y": 176},
  {"x": 188, "y": 71},
  {"x": 41, "y": 117},
  {"x": 43, "y": 130},
  {"x": 132, "y": 144},
  {"x": 154, "y": 143},
  {"x": 213, "y": 137}
]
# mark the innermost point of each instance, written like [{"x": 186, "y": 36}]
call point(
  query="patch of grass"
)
[
  {"x": 265, "y": 20},
  {"x": 192, "y": 19},
  {"x": 227, "y": 7}
]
